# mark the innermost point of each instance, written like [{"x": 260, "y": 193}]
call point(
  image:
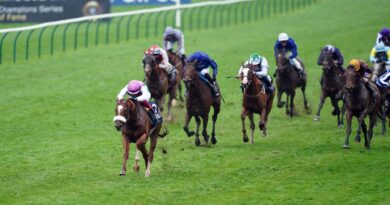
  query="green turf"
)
[{"x": 58, "y": 144}]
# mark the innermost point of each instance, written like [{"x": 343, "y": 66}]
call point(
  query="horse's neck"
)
[
  {"x": 195, "y": 91},
  {"x": 135, "y": 115},
  {"x": 357, "y": 92},
  {"x": 156, "y": 75},
  {"x": 254, "y": 88}
]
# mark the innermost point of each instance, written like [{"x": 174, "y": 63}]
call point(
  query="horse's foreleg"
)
[
  {"x": 320, "y": 104},
  {"x": 217, "y": 108},
  {"x": 136, "y": 160},
  {"x": 126, "y": 148},
  {"x": 336, "y": 110},
  {"x": 197, "y": 140},
  {"x": 366, "y": 139},
  {"x": 180, "y": 93},
  {"x": 342, "y": 114},
  {"x": 153, "y": 144},
  {"x": 359, "y": 130},
  {"x": 204, "y": 131},
  {"x": 169, "y": 114},
  {"x": 186, "y": 122},
  {"x": 348, "y": 130},
  {"x": 287, "y": 104},
  {"x": 280, "y": 102},
  {"x": 383, "y": 113},
  {"x": 370, "y": 129},
  {"x": 252, "y": 126},
  {"x": 140, "y": 143},
  {"x": 244, "y": 113},
  {"x": 263, "y": 121}
]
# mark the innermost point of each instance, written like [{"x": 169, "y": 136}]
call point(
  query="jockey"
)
[
  {"x": 383, "y": 36},
  {"x": 138, "y": 91},
  {"x": 287, "y": 44},
  {"x": 380, "y": 54},
  {"x": 337, "y": 57},
  {"x": 202, "y": 63},
  {"x": 171, "y": 36},
  {"x": 162, "y": 60},
  {"x": 260, "y": 67},
  {"x": 363, "y": 71}
]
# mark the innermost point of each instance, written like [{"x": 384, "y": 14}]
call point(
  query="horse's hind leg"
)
[
  {"x": 303, "y": 88},
  {"x": 366, "y": 139},
  {"x": 287, "y": 104},
  {"x": 383, "y": 113},
  {"x": 186, "y": 122},
  {"x": 217, "y": 108},
  {"x": 252, "y": 126},
  {"x": 292, "y": 104},
  {"x": 172, "y": 96},
  {"x": 153, "y": 144},
  {"x": 320, "y": 104},
  {"x": 180, "y": 93},
  {"x": 204, "y": 131},
  {"x": 197, "y": 140},
  {"x": 140, "y": 143},
  {"x": 336, "y": 111},
  {"x": 263, "y": 121},
  {"x": 126, "y": 148}
]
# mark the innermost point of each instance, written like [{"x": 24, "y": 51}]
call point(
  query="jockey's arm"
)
[
  {"x": 214, "y": 66},
  {"x": 122, "y": 93},
  {"x": 180, "y": 44},
  {"x": 372, "y": 55},
  {"x": 294, "y": 51},
  {"x": 264, "y": 68},
  {"x": 340, "y": 57},
  {"x": 145, "y": 94}
]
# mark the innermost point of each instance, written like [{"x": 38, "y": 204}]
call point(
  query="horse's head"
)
[
  {"x": 123, "y": 110},
  {"x": 352, "y": 79},
  {"x": 327, "y": 61},
  {"x": 190, "y": 73},
  {"x": 149, "y": 63},
  {"x": 246, "y": 76},
  {"x": 282, "y": 61}
]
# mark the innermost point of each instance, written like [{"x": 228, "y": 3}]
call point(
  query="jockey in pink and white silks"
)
[
  {"x": 287, "y": 44},
  {"x": 171, "y": 36},
  {"x": 162, "y": 60},
  {"x": 138, "y": 91}
]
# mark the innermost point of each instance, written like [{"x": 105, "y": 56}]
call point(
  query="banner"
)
[
  {"x": 147, "y": 2},
  {"x": 15, "y": 11}
]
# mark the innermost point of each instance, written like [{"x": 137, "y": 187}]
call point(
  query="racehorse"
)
[
  {"x": 158, "y": 83},
  {"x": 255, "y": 100},
  {"x": 198, "y": 103},
  {"x": 331, "y": 86},
  {"x": 178, "y": 64},
  {"x": 287, "y": 80},
  {"x": 133, "y": 122},
  {"x": 379, "y": 66},
  {"x": 358, "y": 103}
]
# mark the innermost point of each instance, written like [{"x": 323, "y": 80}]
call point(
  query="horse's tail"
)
[{"x": 165, "y": 133}]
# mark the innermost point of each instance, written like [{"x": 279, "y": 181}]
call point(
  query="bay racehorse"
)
[
  {"x": 158, "y": 83},
  {"x": 359, "y": 103},
  {"x": 255, "y": 100},
  {"x": 287, "y": 80},
  {"x": 178, "y": 64},
  {"x": 134, "y": 124},
  {"x": 198, "y": 103},
  {"x": 332, "y": 83}
]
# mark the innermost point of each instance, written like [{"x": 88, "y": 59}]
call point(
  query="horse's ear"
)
[{"x": 129, "y": 102}]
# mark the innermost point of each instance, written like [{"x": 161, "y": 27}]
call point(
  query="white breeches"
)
[{"x": 296, "y": 63}]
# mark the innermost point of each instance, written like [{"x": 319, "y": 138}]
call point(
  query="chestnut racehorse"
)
[
  {"x": 255, "y": 100},
  {"x": 133, "y": 122},
  {"x": 178, "y": 64}
]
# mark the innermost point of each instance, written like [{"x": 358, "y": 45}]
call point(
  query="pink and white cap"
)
[{"x": 134, "y": 87}]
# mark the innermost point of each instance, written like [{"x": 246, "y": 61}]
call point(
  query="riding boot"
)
[
  {"x": 211, "y": 84},
  {"x": 152, "y": 117},
  {"x": 183, "y": 59},
  {"x": 172, "y": 76},
  {"x": 269, "y": 88},
  {"x": 276, "y": 71}
]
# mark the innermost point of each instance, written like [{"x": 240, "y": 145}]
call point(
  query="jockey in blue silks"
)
[
  {"x": 202, "y": 63},
  {"x": 287, "y": 44}
]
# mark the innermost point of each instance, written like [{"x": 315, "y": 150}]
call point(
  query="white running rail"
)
[{"x": 129, "y": 13}]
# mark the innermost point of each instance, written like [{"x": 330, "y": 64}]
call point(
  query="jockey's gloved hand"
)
[
  {"x": 133, "y": 98},
  {"x": 214, "y": 78}
]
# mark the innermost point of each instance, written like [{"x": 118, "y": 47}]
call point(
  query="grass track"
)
[{"x": 58, "y": 145}]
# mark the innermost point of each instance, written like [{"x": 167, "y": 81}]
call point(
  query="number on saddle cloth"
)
[{"x": 156, "y": 112}]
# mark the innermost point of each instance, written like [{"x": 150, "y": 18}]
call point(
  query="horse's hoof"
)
[
  {"x": 252, "y": 142},
  {"x": 169, "y": 118},
  {"x": 122, "y": 173},
  {"x": 317, "y": 118},
  {"x": 288, "y": 112},
  {"x": 147, "y": 174},
  {"x": 280, "y": 104},
  {"x": 357, "y": 139},
  {"x": 245, "y": 138},
  {"x": 213, "y": 140},
  {"x": 261, "y": 126},
  {"x": 136, "y": 168},
  {"x": 174, "y": 102},
  {"x": 346, "y": 146},
  {"x": 206, "y": 138},
  {"x": 264, "y": 133},
  {"x": 197, "y": 142},
  {"x": 190, "y": 133}
]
